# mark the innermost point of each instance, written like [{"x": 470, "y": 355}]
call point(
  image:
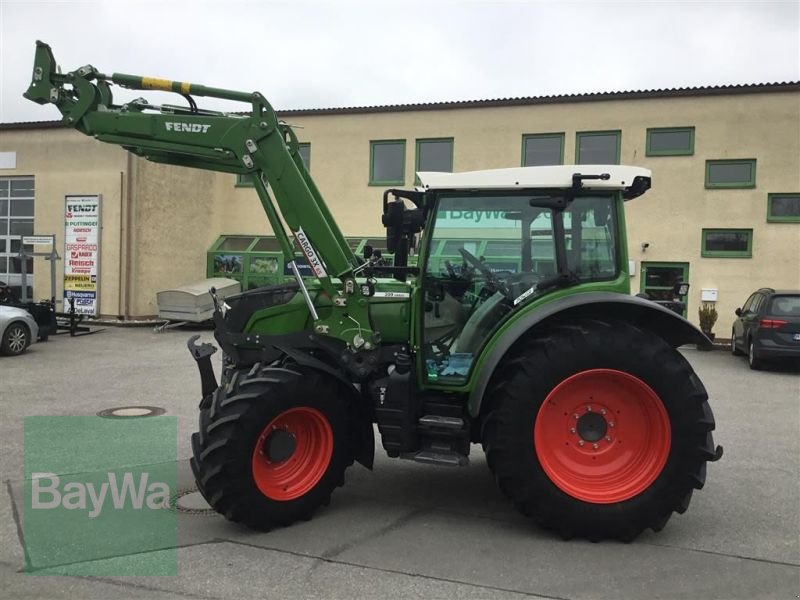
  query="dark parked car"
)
[
  {"x": 768, "y": 327},
  {"x": 44, "y": 312}
]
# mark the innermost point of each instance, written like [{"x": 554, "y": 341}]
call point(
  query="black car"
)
[
  {"x": 44, "y": 313},
  {"x": 768, "y": 327}
]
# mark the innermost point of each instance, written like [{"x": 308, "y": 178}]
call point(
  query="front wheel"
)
[
  {"x": 16, "y": 339},
  {"x": 598, "y": 430},
  {"x": 734, "y": 349},
  {"x": 272, "y": 446}
]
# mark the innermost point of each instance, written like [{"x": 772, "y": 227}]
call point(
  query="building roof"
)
[
  {"x": 680, "y": 92},
  {"x": 716, "y": 90}
]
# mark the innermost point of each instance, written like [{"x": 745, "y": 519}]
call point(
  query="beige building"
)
[{"x": 723, "y": 213}]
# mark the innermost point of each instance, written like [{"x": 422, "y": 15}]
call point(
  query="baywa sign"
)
[{"x": 47, "y": 493}]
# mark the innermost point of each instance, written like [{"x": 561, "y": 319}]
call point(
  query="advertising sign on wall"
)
[{"x": 82, "y": 254}]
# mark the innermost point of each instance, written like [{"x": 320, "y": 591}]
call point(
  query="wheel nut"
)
[
  {"x": 611, "y": 423},
  {"x": 589, "y": 408},
  {"x": 581, "y": 443},
  {"x": 572, "y": 430},
  {"x": 595, "y": 446},
  {"x": 603, "y": 411},
  {"x": 608, "y": 438},
  {"x": 576, "y": 416}
]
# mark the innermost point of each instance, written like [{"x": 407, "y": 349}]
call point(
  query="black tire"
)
[
  {"x": 756, "y": 363},
  {"x": 16, "y": 339},
  {"x": 229, "y": 432},
  {"x": 535, "y": 366},
  {"x": 734, "y": 349}
]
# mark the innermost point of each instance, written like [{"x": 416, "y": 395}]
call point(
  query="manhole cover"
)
[
  {"x": 128, "y": 412},
  {"x": 191, "y": 502}
]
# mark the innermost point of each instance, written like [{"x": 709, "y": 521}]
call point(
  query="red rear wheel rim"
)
[
  {"x": 602, "y": 436},
  {"x": 291, "y": 477}
]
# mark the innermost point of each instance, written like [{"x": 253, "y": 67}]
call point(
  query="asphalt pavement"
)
[{"x": 406, "y": 530}]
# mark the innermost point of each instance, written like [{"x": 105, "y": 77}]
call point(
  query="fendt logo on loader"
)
[{"x": 188, "y": 127}]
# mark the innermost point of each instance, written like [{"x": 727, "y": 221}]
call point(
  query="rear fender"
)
[{"x": 641, "y": 313}]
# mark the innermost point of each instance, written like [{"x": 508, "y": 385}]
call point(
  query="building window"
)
[
  {"x": 727, "y": 243},
  {"x": 387, "y": 162},
  {"x": 597, "y": 147},
  {"x": 244, "y": 180},
  {"x": 305, "y": 153},
  {"x": 304, "y": 149},
  {"x": 736, "y": 173},
  {"x": 434, "y": 155},
  {"x": 670, "y": 141},
  {"x": 542, "y": 149},
  {"x": 783, "y": 208},
  {"x": 16, "y": 220}
]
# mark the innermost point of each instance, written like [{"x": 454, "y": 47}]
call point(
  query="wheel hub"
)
[
  {"x": 292, "y": 453},
  {"x": 279, "y": 446},
  {"x": 602, "y": 436},
  {"x": 592, "y": 427}
]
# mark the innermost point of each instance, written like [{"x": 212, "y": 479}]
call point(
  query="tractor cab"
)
[{"x": 498, "y": 240}]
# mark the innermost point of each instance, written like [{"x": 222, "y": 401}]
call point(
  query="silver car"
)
[{"x": 18, "y": 330}]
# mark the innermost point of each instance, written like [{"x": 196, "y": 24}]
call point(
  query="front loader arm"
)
[{"x": 255, "y": 143}]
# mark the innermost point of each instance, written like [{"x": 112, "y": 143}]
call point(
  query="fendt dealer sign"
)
[{"x": 81, "y": 253}]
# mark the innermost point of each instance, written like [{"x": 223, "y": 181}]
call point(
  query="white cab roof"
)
[{"x": 620, "y": 177}]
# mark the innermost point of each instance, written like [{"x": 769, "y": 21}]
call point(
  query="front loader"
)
[{"x": 592, "y": 422}]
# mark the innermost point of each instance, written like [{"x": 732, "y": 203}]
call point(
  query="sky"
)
[{"x": 312, "y": 54}]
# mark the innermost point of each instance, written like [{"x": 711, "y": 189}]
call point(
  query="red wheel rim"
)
[
  {"x": 602, "y": 436},
  {"x": 311, "y": 448}
]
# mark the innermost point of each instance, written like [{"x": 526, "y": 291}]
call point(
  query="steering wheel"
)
[{"x": 476, "y": 264}]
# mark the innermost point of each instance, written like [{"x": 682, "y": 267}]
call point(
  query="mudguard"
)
[
  {"x": 641, "y": 313},
  {"x": 364, "y": 440}
]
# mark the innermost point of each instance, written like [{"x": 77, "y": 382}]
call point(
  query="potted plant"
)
[{"x": 708, "y": 317}]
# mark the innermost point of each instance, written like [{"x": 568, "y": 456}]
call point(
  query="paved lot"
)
[{"x": 408, "y": 530}]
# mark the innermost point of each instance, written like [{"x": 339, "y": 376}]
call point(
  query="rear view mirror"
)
[{"x": 738, "y": 312}]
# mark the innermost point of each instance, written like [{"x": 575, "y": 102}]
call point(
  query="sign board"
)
[
  {"x": 8, "y": 160},
  {"x": 82, "y": 253},
  {"x": 35, "y": 240}
]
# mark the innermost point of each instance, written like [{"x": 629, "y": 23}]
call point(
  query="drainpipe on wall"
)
[
  {"x": 120, "y": 313},
  {"x": 129, "y": 231}
]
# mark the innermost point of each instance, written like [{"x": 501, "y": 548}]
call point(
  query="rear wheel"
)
[
  {"x": 16, "y": 339},
  {"x": 272, "y": 446},
  {"x": 598, "y": 430},
  {"x": 752, "y": 358}
]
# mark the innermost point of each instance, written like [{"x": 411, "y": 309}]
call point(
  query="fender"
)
[
  {"x": 644, "y": 314},
  {"x": 364, "y": 450}
]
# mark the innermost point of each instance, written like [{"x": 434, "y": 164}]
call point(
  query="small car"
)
[
  {"x": 767, "y": 327},
  {"x": 18, "y": 330}
]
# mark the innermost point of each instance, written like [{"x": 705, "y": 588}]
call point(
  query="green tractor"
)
[{"x": 592, "y": 422}]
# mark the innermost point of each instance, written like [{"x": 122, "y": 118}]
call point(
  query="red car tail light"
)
[{"x": 771, "y": 323}]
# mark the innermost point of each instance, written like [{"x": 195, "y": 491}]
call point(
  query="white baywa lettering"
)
[
  {"x": 46, "y": 493},
  {"x": 52, "y": 489},
  {"x": 97, "y": 501},
  {"x": 118, "y": 496},
  {"x": 188, "y": 127}
]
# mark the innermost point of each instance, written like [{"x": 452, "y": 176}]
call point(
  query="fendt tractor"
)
[{"x": 592, "y": 422}]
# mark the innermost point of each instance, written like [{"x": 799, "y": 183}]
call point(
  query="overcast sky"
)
[{"x": 304, "y": 54}]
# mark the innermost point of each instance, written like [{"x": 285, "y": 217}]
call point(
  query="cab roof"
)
[{"x": 634, "y": 181}]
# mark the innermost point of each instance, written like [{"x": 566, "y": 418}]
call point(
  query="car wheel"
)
[
  {"x": 734, "y": 350},
  {"x": 16, "y": 339},
  {"x": 755, "y": 363}
]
